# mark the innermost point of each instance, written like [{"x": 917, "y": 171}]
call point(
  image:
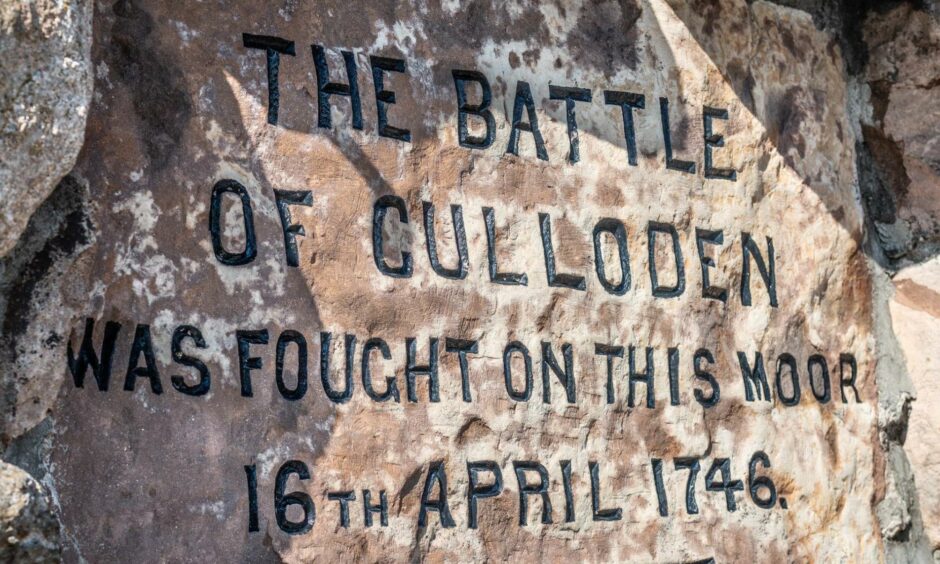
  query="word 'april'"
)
[{"x": 524, "y": 103}]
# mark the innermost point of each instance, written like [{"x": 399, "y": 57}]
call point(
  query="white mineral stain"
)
[
  {"x": 185, "y": 32},
  {"x": 215, "y": 508}
]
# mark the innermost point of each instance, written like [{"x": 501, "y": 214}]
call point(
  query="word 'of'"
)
[{"x": 606, "y": 231}]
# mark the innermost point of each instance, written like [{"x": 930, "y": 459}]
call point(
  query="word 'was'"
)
[{"x": 556, "y": 364}]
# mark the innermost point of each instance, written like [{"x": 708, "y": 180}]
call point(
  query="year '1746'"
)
[{"x": 296, "y": 512}]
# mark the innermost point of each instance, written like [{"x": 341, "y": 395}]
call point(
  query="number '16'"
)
[{"x": 281, "y": 500}]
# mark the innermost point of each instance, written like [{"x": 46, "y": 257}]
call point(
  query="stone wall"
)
[{"x": 178, "y": 443}]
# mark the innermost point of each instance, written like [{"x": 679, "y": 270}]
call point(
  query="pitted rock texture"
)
[
  {"x": 29, "y": 531},
  {"x": 45, "y": 92},
  {"x": 833, "y": 144},
  {"x": 35, "y": 322},
  {"x": 35, "y": 317},
  {"x": 903, "y": 74},
  {"x": 904, "y": 78},
  {"x": 915, "y": 312},
  {"x": 45, "y": 62},
  {"x": 181, "y": 104}
]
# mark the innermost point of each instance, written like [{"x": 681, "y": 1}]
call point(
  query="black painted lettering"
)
[
  {"x": 476, "y": 491},
  {"x": 766, "y": 270},
  {"x": 481, "y": 110},
  {"x": 282, "y": 501},
  {"x": 661, "y": 500},
  {"x": 251, "y": 475},
  {"x": 702, "y": 374},
  {"x": 787, "y": 360},
  {"x": 344, "y": 395},
  {"x": 672, "y": 163},
  {"x": 817, "y": 360},
  {"x": 673, "y": 358},
  {"x": 846, "y": 359},
  {"x": 556, "y": 280},
  {"x": 246, "y": 362},
  {"x": 628, "y": 101},
  {"x": 497, "y": 277},
  {"x": 613, "y": 227},
  {"x": 598, "y": 513},
  {"x": 283, "y": 199},
  {"x": 526, "y": 489},
  {"x": 436, "y": 475},
  {"x": 757, "y": 483},
  {"x": 726, "y": 485},
  {"x": 611, "y": 352},
  {"x": 273, "y": 47},
  {"x": 646, "y": 377},
  {"x": 661, "y": 291},
  {"x": 179, "y": 357},
  {"x": 569, "y": 496},
  {"x": 286, "y": 337},
  {"x": 712, "y": 140},
  {"x": 412, "y": 370},
  {"x": 755, "y": 375},
  {"x": 101, "y": 369},
  {"x": 384, "y": 98},
  {"x": 380, "y": 209},
  {"x": 142, "y": 344},
  {"x": 462, "y": 348},
  {"x": 460, "y": 236},
  {"x": 571, "y": 95},
  {"x": 517, "y": 347},
  {"x": 381, "y": 508},
  {"x": 566, "y": 376},
  {"x": 248, "y": 254},
  {"x": 343, "y": 498},
  {"x": 693, "y": 466},
  {"x": 524, "y": 100},
  {"x": 703, "y": 236},
  {"x": 391, "y": 387},
  {"x": 325, "y": 88}
]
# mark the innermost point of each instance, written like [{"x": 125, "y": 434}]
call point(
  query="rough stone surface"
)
[
  {"x": 904, "y": 77},
  {"x": 44, "y": 95},
  {"x": 34, "y": 314},
  {"x": 903, "y": 74},
  {"x": 45, "y": 92},
  {"x": 834, "y": 161},
  {"x": 915, "y": 312},
  {"x": 29, "y": 531},
  {"x": 180, "y": 104}
]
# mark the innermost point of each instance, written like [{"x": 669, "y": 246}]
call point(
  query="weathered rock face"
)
[
  {"x": 44, "y": 97},
  {"x": 182, "y": 105},
  {"x": 45, "y": 91},
  {"x": 30, "y": 532},
  {"x": 904, "y": 80},
  {"x": 915, "y": 313},
  {"x": 901, "y": 131},
  {"x": 629, "y": 314}
]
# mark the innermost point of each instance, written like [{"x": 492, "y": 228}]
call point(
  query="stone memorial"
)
[{"x": 644, "y": 280}]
